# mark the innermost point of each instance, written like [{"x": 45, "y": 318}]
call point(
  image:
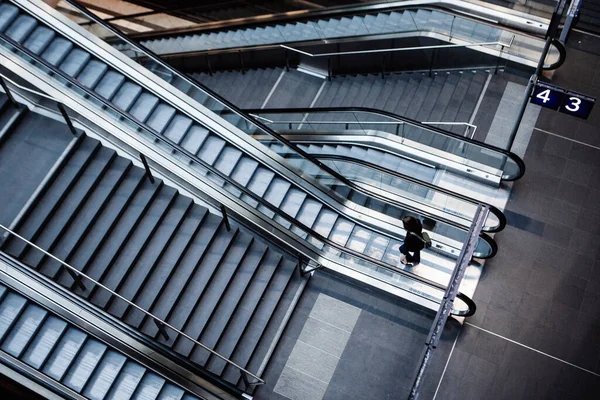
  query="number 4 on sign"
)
[{"x": 544, "y": 96}]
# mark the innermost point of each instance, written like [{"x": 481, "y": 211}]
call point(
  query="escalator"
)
[
  {"x": 490, "y": 30},
  {"x": 61, "y": 353},
  {"x": 318, "y": 221}
]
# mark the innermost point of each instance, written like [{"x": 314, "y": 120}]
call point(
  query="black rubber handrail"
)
[
  {"x": 232, "y": 109},
  {"x": 387, "y": 114},
  {"x": 179, "y": 149},
  {"x": 493, "y": 209}
]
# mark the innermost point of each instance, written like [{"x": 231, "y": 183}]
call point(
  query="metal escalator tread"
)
[
  {"x": 177, "y": 128},
  {"x": 21, "y": 28},
  {"x": 211, "y": 148},
  {"x": 83, "y": 366},
  {"x": 44, "y": 342},
  {"x": 48, "y": 201},
  {"x": 70, "y": 205},
  {"x": 143, "y": 106},
  {"x": 167, "y": 264},
  {"x": 221, "y": 315},
  {"x": 10, "y": 309},
  {"x": 260, "y": 180},
  {"x": 127, "y": 381},
  {"x": 57, "y": 51},
  {"x": 161, "y": 117},
  {"x": 74, "y": 62},
  {"x": 171, "y": 392},
  {"x": 39, "y": 40},
  {"x": 92, "y": 73},
  {"x": 212, "y": 296},
  {"x": 104, "y": 375},
  {"x": 109, "y": 84},
  {"x": 8, "y": 13},
  {"x": 194, "y": 138},
  {"x": 149, "y": 387},
  {"x": 88, "y": 214},
  {"x": 134, "y": 245},
  {"x": 24, "y": 330},
  {"x": 64, "y": 353},
  {"x": 227, "y": 160},
  {"x": 126, "y": 95},
  {"x": 134, "y": 280}
]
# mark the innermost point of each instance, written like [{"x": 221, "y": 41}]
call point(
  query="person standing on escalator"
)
[{"x": 410, "y": 250}]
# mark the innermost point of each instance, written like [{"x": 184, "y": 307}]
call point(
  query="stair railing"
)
[
  {"x": 469, "y": 128},
  {"x": 160, "y": 324}
]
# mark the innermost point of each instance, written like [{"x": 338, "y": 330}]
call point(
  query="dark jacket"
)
[{"x": 413, "y": 243}]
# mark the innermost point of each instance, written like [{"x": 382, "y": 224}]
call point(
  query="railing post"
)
[
  {"x": 383, "y": 67},
  {"x": 225, "y": 218},
  {"x": 76, "y": 278},
  {"x": 242, "y": 62},
  {"x": 147, "y": 167},
  {"x": 161, "y": 328},
  {"x": 210, "y": 71},
  {"x": 299, "y": 266},
  {"x": 432, "y": 61},
  {"x": 63, "y": 111},
  {"x": 498, "y": 59},
  {"x": 329, "y": 72},
  {"x": 287, "y": 61},
  {"x": 7, "y": 91}
]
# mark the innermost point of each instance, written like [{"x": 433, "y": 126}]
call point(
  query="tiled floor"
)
[
  {"x": 542, "y": 290},
  {"x": 383, "y": 340}
]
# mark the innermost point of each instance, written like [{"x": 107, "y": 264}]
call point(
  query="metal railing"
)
[
  {"x": 398, "y": 49},
  {"x": 467, "y": 125},
  {"x": 161, "y": 324}
]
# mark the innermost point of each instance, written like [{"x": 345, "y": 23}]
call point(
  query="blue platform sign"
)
[
  {"x": 566, "y": 101},
  {"x": 548, "y": 96}
]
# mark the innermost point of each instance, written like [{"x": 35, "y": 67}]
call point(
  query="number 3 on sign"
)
[
  {"x": 574, "y": 106},
  {"x": 545, "y": 96}
]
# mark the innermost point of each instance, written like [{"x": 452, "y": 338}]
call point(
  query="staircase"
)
[
  {"x": 69, "y": 356},
  {"x": 230, "y": 290},
  {"x": 394, "y": 22},
  {"x": 445, "y": 96}
]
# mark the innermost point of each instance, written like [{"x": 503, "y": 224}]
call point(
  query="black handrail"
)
[
  {"x": 177, "y": 148},
  {"x": 493, "y": 209},
  {"x": 305, "y": 110},
  {"x": 234, "y": 110}
]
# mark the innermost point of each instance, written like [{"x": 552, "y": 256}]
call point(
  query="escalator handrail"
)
[
  {"x": 177, "y": 148},
  {"x": 409, "y": 121},
  {"x": 493, "y": 246},
  {"x": 493, "y": 209},
  {"x": 103, "y": 315}
]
